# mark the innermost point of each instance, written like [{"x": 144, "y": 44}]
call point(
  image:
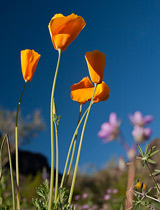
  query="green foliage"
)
[
  {"x": 121, "y": 207},
  {"x": 5, "y": 208},
  {"x": 56, "y": 119},
  {"x": 29, "y": 186},
  {"x": 146, "y": 156},
  {"x": 41, "y": 203}
]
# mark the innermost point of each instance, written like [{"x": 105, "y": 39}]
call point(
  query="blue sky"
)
[{"x": 128, "y": 32}]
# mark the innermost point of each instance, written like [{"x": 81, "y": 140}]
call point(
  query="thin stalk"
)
[
  {"x": 69, "y": 151},
  {"x": 11, "y": 168},
  {"x": 52, "y": 106},
  {"x": 16, "y": 148},
  {"x": 11, "y": 172},
  {"x": 79, "y": 149},
  {"x": 75, "y": 140},
  {"x": 147, "y": 196},
  {"x": 70, "y": 165},
  {"x": 158, "y": 190},
  {"x": 57, "y": 164},
  {"x": 130, "y": 186},
  {"x": 1, "y": 157},
  {"x": 123, "y": 142}
]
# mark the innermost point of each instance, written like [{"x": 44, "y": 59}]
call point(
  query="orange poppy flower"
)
[
  {"x": 102, "y": 92},
  {"x": 29, "y": 61},
  {"x": 96, "y": 63},
  {"x": 64, "y": 29},
  {"x": 83, "y": 91}
]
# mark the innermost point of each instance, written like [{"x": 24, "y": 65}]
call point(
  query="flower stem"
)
[
  {"x": 122, "y": 141},
  {"x": 79, "y": 149},
  {"x": 147, "y": 196},
  {"x": 16, "y": 148},
  {"x": 69, "y": 151},
  {"x": 130, "y": 186},
  {"x": 52, "y": 106},
  {"x": 57, "y": 157},
  {"x": 75, "y": 140},
  {"x": 11, "y": 168},
  {"x": 158, "y": 190},
  {"x": 11, "y": 172}
]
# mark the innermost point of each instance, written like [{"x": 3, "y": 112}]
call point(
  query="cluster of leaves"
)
[
  {"x": 41, "y": 203},
  {"x": 146, "y": 156},
  {"x": 140, "y": 198}
]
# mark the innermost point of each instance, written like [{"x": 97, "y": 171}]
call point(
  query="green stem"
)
[
  {"x": 16, "y": 148},
  {"x": 11, "y": 168},
  {"x": 75, "y": 140},
  {"x": 57, "y": 154},
  {"x": 147, "y": 196},
  {"x": 52, "y": 133},
  {"x": 158, "y": 190},
  {"x": 79, "y": 149},
  {"x": 1, "y": 157},
  {"x": 69, "y": 151},
  {"x": 11, "y": 172}
]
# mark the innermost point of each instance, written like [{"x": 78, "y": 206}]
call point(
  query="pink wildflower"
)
[{"x": 110, "y": 130}]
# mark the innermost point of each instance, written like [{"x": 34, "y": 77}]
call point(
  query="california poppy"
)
[
  {"x": 29, "y": 61},
  {"x": 102, "y": 92},
  {"x": 64, "y": 29},
  {"x": 96, "y": 63},
  {"x": 83, "y": 91}
]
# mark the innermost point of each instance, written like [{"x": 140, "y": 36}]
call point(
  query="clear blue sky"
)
[{"x": 128, "y": 32}]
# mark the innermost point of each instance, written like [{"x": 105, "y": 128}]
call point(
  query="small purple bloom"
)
[
  {"x": 115, "y": 191},
  {"x": 138, "y": 120},
  {"x": 77, "y": 197},
  {"x": 107, "y": 197},
  {"x": 141, "y": 134},
  {"x": 110, "y": 130},
  {"x": 109, "y": 191},
  {"x": 85, "y": 195},
  {"x": 85, "y": 206}
]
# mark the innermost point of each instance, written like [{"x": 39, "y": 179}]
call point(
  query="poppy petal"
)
[
  {"x": 96, "y": 63},
  {"x": 102, "y": 92},
  {"x": 82, "y": 91}
]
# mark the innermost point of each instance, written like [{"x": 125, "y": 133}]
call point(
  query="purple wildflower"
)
[
  {"x": 115, "y": 191},
  {"x": 141, "y": 134},
  {"x": 138, "y": 120},
  {"x": 107, "y": 197},
  {"x": 85, "y": 206},
  {"x": 109, "y": 191},
  {"x": 85, "y": 195},
  {"x": 77, "y": 197},
  {"x": 110, "y": 130}
]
